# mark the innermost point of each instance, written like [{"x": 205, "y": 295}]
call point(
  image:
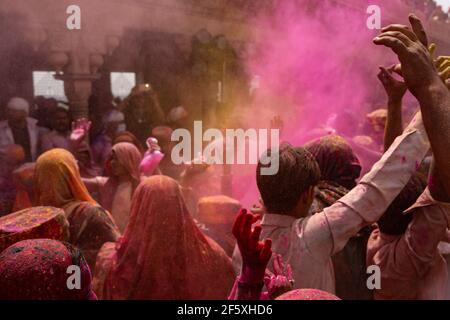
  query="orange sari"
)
[{"x": 57, "y": 183}]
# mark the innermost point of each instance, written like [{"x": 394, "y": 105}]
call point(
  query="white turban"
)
[
  {"x": 19, "y": 104},
  {"x": 114, "y": 116},
  {"x": 176, "y": 114}
]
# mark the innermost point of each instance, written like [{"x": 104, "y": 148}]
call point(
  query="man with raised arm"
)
[{"x": 405, "y": 247}]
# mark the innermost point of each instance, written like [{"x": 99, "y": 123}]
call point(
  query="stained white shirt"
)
[{"x": 308, "y": 244}]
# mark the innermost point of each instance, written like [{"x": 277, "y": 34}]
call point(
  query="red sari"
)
[{"x": 163, "y": 254}]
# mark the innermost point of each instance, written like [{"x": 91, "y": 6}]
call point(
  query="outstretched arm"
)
[
  {"x": 424, "y": 82},
  {"x": 395, "y": 91}
]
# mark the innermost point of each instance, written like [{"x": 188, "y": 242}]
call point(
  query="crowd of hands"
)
[{"x": 419, "y": 69}]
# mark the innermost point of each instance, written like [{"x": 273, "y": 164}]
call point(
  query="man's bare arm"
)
[
  {"x": 424, "y": 82},
  {"x": 395, "y": 91}
]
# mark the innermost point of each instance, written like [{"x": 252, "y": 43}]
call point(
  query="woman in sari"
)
[
  {"x": 37, "y": 270},
  {"x": 163, "y": 254},
  {"x": 115, "y": 192},
  {"x": 57, "y": 183},
  {"x": 340, "y": 168}
]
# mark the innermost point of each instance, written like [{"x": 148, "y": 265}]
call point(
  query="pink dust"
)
[{"x": 317, "y": 68}]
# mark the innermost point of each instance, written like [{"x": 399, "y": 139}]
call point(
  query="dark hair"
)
[
  {"x": 393, "y": 221},
  {"x": 298, "y": 171}
]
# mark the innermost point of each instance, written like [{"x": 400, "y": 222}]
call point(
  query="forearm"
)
[
  {"x": 394, "y": 125},
  {"x": 388, "y": 176},
  {"x": 435, "y": 105}
]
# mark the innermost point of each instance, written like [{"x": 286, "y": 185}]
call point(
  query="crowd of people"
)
[
  {"x": 430, "y": 9},
  {"x": 115, "y": 207}
]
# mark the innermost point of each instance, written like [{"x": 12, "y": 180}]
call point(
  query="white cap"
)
[
  {"x": 177, "y": 113},
  {"x": 114, "y": 116},
  {"x": 63, "y": 105},
  {"x": 18, "y": 104}
]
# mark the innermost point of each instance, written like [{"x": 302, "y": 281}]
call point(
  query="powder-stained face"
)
[
  {"x": 15, "y": 116},
  {"x": 117, "y": 168},
  {"x": 61, "y": 121}
]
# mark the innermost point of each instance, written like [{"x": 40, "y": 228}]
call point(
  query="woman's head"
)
[
  {"x": 57, "y": 180},
  {"x": 125, "y": 159},
  {"x": 44, "y": 269},
  {"x": 127, "y": 136},
  {"x": 337, "y": 161}
]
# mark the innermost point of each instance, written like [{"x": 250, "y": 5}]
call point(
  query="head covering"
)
[
  {"x": 162, "y": 133},
  {"x": 18, "y": 104},
  {"x": 307, "y": 294},
  {"x": 130, "y": 158},
  {"x": 176, "y": 114},
  {"x": 114, "y": 116},
  {"x": 218, "y": 210},
  {"x": 218, "y": 214},
  {"x": 33, "y": 223},
  {"x": 57, "y": 180},
  {"x": 337, "y": 161},
  {"x": 163, "y": 255},
  {"x": 63, "y": 106},
  {"x": 127, "y": 136},
  {"x": 39, "y": 270}
]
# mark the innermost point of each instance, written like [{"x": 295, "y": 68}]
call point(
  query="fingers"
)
[
  {"x": 246, "y": 229},
  {"x": 444, "y": 74},
  {"x": 399, "y": 35},
  {"x": 289, "y": 272},
  {"x": 402, "y": 29},
  {"x": 277, "y": 269},
  {"x": 391, "y": 42},
  {"x": 418, "y": 29},
  {"x": 384, "y": 76},
  {"x": 254, "y": 237},
  {"x": 442, "y": 64},
  {"x": 442, "y": 59},
  {"x": 432, "y": 49},
  {"x": 238, "y": 223},
  {"x": 266, "y": 251}
]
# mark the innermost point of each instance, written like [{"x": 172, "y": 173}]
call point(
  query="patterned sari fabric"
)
[
  {"x": 340, "y": 168},
  {"x": 337, "y": 161},
  {"x": 39, "y": 270},
  {"x": 163, "y": 254},
  {"x": 33, "y": 223},
  {"x": 57, "y": 182}
]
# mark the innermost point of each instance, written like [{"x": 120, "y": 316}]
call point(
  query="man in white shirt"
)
[{"x": 307, "y": 243}]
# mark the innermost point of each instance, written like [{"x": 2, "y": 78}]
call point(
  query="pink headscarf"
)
[
  {"x": 128, "y": 156},
  {"x": 163, "y": 254}
]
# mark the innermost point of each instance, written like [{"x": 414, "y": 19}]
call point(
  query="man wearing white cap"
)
[{"x": 20, "y": 129}]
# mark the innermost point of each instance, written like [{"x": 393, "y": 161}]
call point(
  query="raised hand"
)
[
  {"x": 411, "y": 47},
  {"x": 395, "y": 89},
  {"x": 152, "y": 145},
  {"x": 277, "y": 123},
  {"x": 80, "y": 129},
  {"x": 255, "y": 254},
  {"x": 281, "y": 280}
]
